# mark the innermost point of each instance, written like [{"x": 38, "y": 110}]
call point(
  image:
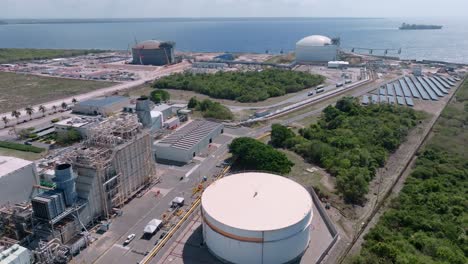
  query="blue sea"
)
[{"x": 247, "y": 35}]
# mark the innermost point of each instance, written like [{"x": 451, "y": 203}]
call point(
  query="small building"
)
[
  {"x": 80, "y": 123},
  {"x": 188, "y": 141},
  {"x": 417, "y": 70},
  {"x": 17, "y": 178},
  {"x": 338, "y": 64},
  {"x": 172, "y": 123},
  {"x": 104, "y": 106},
  {"x": 165, "y": 109}
]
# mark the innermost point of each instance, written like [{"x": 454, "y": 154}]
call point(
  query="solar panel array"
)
[
  {"x": 403, "y": 90},
  {"x": 190, "y": 135}
]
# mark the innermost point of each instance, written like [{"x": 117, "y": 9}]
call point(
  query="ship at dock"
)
[{"x": 405, "y": 26}]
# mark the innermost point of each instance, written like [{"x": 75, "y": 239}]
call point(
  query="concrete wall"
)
[{"x": 17, "y": 186}]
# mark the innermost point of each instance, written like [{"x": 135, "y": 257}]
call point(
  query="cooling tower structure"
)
[
  {"x": 65, "y": 181},
  {"x": 256, "y": 218}
]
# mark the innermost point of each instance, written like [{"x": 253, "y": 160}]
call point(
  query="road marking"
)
[{"x": 192, "y": 170}]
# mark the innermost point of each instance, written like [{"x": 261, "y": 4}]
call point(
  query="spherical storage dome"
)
[
  {"x": 315, "y": 49},
  {"x": 315, "y": 40},
  {"x": 256, "y": 218}
]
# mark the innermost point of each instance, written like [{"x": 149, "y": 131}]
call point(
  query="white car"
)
[{"x": 129, "y": 239}]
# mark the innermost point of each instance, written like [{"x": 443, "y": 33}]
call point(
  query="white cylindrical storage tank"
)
[
  {"x": 315, "y": 49},
  {"x": 256, "y": 218}
]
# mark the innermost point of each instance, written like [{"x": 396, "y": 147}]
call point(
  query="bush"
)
[
  {"x": 210, "y": 109},
  {"x": 55, "y": 120},
  {"x": 158, "y": 96},
  {"x": 350, "y": 141},
  {"x": 20, "y": 147},
  {"x": 68, "y": 138},
  {"x": 241, "y": 86},
  {"x": 251, "y": 154}
]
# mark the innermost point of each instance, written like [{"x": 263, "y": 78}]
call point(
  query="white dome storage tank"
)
[
  {"x": 314, "y": 49},
  {"x": 256, "y": 218}
]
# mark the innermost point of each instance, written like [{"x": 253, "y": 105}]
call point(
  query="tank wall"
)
[
  {"x": 232, "y": 250},
  {"x": 316, "y": 53},
  {"x": 290, "y": 230},
  {"x": 232, "y": 230},
  {"x": 160, "y": 56},
  {"x": 235, "y": 251}
]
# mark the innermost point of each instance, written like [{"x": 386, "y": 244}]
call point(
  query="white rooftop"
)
[
  {"x": 256, "y": 201},
  {"x": 11, "y": 164},
  {"x": 74, "y": 122}
]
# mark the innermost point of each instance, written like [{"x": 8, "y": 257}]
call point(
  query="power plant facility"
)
[
  {"x": 317, "y": 49},
  {"x": 256, "y": 218},
  {"x": 153, "y": 52}
]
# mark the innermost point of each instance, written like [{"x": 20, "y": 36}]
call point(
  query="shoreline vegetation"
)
[{"x": 10, "y": 55}]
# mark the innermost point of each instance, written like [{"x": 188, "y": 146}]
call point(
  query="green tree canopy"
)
[{"x": 158, "y": 96}]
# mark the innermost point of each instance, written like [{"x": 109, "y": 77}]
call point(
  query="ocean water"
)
[{"x": 250, "y": 35}]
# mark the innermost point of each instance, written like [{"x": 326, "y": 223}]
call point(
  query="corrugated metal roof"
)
[
  {"x": 103, "y": 101},
  {"x": 191, "y": 134}
]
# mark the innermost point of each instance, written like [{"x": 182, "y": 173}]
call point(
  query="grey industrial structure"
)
[
  {"x": 104, "y": 106},
  {"x": 17, "y": 178},
  {"x": 187, "y": 142},
  {"x": 153, "y": 52},
  {"x": 316, "y": 49}
]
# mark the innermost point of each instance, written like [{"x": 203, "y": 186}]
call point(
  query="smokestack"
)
[{"x": 65, "y": 181}]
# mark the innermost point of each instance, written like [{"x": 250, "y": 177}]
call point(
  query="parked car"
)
[{"x": 129, "y": 239}]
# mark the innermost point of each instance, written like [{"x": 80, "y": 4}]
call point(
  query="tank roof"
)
[
  {"x": 314, "y": 40},
  {"x": 257, "y": 201}
]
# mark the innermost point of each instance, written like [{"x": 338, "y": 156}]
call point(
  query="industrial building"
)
[
  {"x": 79, "y": 123},
  {"x": 256, "y": 218},
  {"x": 187, "y": 142},
  {"x": 316, "y": 49},
  {"x": 104, "y": 106},
  {"x": 17, "y": 178},
  {"x": 153, "y": 52}
]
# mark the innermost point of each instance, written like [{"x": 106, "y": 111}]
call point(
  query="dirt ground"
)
[{"x": 19, "y": 90}]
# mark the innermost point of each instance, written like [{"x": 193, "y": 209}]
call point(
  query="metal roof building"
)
[
  {"x": 187, "y": 142},
  {"x": 102, "y": 105},
  {"x": 256, "y": 218}
]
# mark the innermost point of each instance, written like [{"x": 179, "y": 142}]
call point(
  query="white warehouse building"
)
[
  {"x": 17, "y": 178},
  {"x": 188, "y": 141},
  {"x": 316, "y": 49},
  {"x": 256, "y": 218}
]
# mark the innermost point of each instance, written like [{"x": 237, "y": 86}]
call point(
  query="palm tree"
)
[
  {"x": 64, "y": 105},
  {"x": 16, "y": 114},
  {"x": 29, "y": 110},
  {"x": 74, "y": 100},
  {"x": 5, "y": 120},
  {"x": 54, "y": 107},
  {"x": 42, "y": 109}
]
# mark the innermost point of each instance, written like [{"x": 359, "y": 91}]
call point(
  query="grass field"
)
[
  {"x": 16, "y": 55},
  {"x": 20, "y": 154},
  {"x": 19, "y": 90}
]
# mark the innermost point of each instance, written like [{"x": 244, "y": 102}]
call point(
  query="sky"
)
[{"x": 230, "y": 8}]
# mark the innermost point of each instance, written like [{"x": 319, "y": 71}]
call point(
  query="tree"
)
[
  {"x": 279, "y": 135},
  {"x": 5, "y": 120},
  {"x": 74, "y": 101},
  {"x": 29, "y": 110},
  {"x": 192, "y": 103},
  {"x": 64, "y": 105},
  {"x": 16, "y": 114},
  {"x": 70, "y": 137},
  {"x": 42, "y": 109},
  {"x": 158, "y": 96},
  {"x": 54, "y": 107},
  {"x": 251, "y": 154}
]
